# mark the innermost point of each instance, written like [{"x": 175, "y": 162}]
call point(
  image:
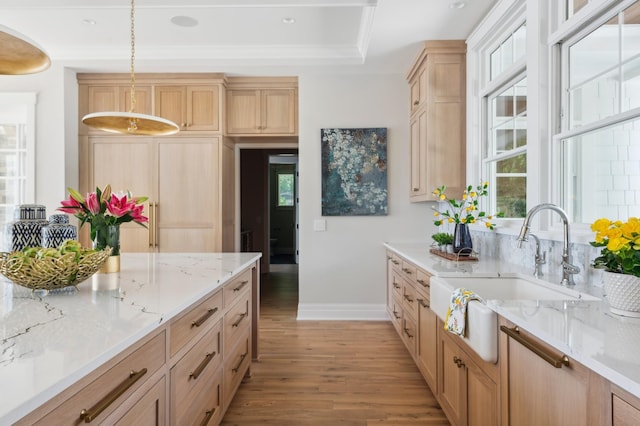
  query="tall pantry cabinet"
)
[
  {"x": 186, "y": 176},
  {"x": 437, "y": 119}
]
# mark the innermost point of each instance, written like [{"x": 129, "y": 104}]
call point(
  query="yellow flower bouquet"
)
[
  {"x": 620, "y": 242},
  {"x": 463, "y": 211}
]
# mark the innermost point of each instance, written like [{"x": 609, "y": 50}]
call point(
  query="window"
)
[
  {"x": 285, "y": 190},
  {"x": 17, "y": 136},
  {"x": 599, "y": 138},
  {"x": 505, "y": 148}
]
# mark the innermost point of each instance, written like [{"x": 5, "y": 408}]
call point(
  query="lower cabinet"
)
[
  {"x": 625, "y": 408},
  {"x": 426, "y": 348},
  {"x": 185, "y": 373},
  {"x": 467, "y": 394}
]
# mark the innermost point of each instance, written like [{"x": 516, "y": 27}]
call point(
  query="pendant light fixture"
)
[
  {"x": 18, "y": 55},
  {"x": 131, "y": 123}
]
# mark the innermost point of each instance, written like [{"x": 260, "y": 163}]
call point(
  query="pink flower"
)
[
  {"x": 93, "y": 203},
  {"x": 70, "y": 206},
  {"x": 120, "y": 206},
  {"x": 136, "y": 214}
]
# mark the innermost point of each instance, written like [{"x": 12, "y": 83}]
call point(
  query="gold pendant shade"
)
[
  {"x": 20, "y": 56},
  {"x": 130, "y": 123}
]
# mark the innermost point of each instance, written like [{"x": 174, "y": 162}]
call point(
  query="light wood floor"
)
[{"x": 328, "y": 373}]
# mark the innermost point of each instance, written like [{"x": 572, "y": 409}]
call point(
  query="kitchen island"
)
[{"x": 61, "y": 341}]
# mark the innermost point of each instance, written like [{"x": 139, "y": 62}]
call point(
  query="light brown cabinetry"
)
[
  {"x": 426, "y": 349},
  {"x": 468, "y": 394},
  {"x": 161, "y": 169},
  {"x": 543, "y": 386},
  {"x": 113, "y": 391},
  {"x": 262, "y": 106},
  {"x": 192, "y": 107},
  {"x": 625, "y": 408},
  {"x": 437, "y": 120}
]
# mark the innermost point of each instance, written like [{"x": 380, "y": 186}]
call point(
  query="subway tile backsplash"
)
[{"x": 505, "y": 247}]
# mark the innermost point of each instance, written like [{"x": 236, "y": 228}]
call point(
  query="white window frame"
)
[
  {"x": 582, "y": 23},
  {"x": 29, "y": 100}
]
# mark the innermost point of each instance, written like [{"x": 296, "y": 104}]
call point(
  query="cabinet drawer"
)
[
  {"x": 235, "y": 366},
  {"x": 396, "y": 313},
  {"x": 237, "y": 288},
  {"x": 409, "y": 270},
  {"x": 236, "y": 321},
  {"x": 198, "y": 366},
  {"x": 396, "y": 283},
  {"x": 396, "y": 261},
  {"x": 409, "y": 332},
  {"x": 423, "y": 279},
  {"x": 143, "y": 362},
  {"x": 184, "y": 328},
  {"x": 148, "y": 410}
]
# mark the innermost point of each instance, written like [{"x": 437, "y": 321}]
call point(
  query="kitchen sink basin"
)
[{"x": 482, "y": 322}]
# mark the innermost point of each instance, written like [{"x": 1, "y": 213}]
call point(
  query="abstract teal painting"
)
[{"x": 354, "y": 172}]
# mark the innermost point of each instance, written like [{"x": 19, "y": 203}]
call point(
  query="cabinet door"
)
[
  {"x": 126, "y": 164},
  {"x": 451, "y": 379},
  {"x": 171, "y": 102},
  {"x": 187, "y": 213},
  {"x": 482, "y": 397},
  {"x": 418, "y": 135},
  {"x": 277, "y": 111},
  {"x": 203, "y": 108},
  {"x": 541, "y": 394},
  {"x": 148, "y": 410},
  {"x": 446, "y": 148},
  {"x": 142, "y": 98},
  {"x": 427, "y": 345},
  {"x": 243, "y": 111},
  {"x": 103, "y": 98},
  {"x": 418, "y": 90}
]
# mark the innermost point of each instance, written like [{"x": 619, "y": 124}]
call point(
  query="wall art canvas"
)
[{"x": 354, "y": 172}]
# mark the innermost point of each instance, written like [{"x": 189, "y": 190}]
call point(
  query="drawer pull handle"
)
[
  {"x": 203, "y": 318},
  {"x": 406, "y": 271},
  {"x": 423, "y": 283},
  {"x": 422, "y": 303},
  {"x": 457, "y": 361},
  {"x": 395, "y": 262},
  {"x": 408, "y": 298},
  {"x": 416, "y": 189},
  {"x": 242, "y": 284},
  {"x": 396, "y": 285},
  {"x": 514, "y": 333},
  {"x": 395, "y": 314},
  {"x": 242, "y": 316},
  {"x": 207, "y": 358},
  {"x": 242, "y": 357},
  {"x": 406, "y": 331},
  {"x": 89, "y": 415},
  {"x": 207, "y": 416}
]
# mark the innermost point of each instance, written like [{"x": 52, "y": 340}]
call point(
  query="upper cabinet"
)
[
  {"x": 262, "y": 106},
  {"x": 437, "y": 119},
  {"x": 190, "y": 107},
  {"x": 193, "y": 101}
]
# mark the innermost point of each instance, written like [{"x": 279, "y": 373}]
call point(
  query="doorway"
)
[{"x": 269, "y": 204}]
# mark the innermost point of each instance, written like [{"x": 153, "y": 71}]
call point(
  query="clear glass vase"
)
[{"x": 107, "y": 236}]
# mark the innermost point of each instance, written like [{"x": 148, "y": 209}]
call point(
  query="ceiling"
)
[{"x": 373, "y": 35}]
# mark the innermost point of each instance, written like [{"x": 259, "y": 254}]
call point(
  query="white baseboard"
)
[{"x": 342, "y": 312}]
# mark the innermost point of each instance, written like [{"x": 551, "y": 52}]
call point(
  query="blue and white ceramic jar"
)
[
  {"x": 26, "y": 229},
  {"x": 58, "y": 230}
]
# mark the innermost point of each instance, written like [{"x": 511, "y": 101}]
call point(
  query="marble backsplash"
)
[{"x": 503, "y": 246}]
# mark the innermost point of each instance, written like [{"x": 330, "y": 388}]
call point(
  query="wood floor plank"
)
[{"x": 328, "y": 373}]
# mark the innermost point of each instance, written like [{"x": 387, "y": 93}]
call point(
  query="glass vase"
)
[
  {"x": 108, "y": 236},
  {"x": 462, "y": 245}
]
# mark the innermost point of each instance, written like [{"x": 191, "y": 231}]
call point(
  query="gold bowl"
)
[{"x": 51, "y": 273}]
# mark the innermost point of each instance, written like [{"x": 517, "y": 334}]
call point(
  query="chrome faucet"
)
[
  {"x": 568, "y": 270},
  {"x": 539, "y": 259}
]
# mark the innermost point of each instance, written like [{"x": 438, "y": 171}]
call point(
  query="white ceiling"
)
[{"x": 377, "y": 35}]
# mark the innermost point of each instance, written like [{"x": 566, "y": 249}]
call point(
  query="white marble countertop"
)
[
  {"x": 48, "y": 343},
  {"x": 583, "y": 330}
]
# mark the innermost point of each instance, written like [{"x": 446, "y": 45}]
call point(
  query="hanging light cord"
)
[{"x": 132, "y": 123}]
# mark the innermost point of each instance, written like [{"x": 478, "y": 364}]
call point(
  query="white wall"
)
[{"x": 342, "y": 270}]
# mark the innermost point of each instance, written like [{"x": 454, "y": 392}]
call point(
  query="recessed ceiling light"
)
[
  {"x": 89, "y": 21},
  {"x": 288, "y": 20},
  {"x": 184, "y": 21},
  {"x": 457, "y": 5}
]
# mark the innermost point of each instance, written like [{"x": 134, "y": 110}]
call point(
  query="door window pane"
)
[{"x": 285, "y": 190}]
